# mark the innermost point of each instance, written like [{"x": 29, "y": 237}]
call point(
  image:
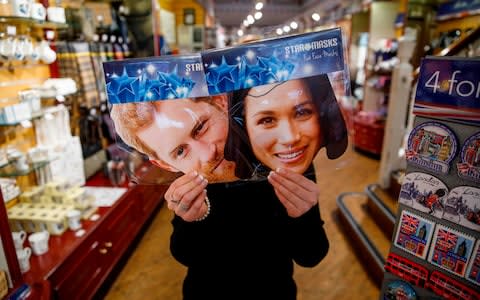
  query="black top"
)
[{"x": 246, "y": 247}]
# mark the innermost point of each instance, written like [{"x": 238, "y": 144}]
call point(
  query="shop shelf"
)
[
  {"x": 9, "y": 170},
  {"x": 32, "y": 22},
  {"x": 34, "y": 116}
]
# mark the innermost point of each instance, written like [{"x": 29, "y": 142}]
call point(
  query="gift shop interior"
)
[{"x": 76, "y": 224}]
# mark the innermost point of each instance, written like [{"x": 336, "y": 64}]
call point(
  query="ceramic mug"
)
[
  {"x": 39, "y": 242},
  {"x": 73, "y": 218},
  {"x": 38, "y": 12},
  {"x": 21, "y": 8},
  {"x": 7, "y": 47},
  {"x": 47, "y": 55},
  {"x": 23, "y": 256},
  {"x": 19, "y": 238}
]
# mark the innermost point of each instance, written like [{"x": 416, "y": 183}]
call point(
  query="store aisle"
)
[{"x": 151, "y": 272}]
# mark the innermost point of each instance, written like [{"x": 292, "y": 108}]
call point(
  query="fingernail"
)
[
  {"x": 195, "y": 173},
  {"x": 270, "y": 174}
]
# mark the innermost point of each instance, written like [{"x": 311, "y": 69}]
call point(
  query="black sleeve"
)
[
  {"x": 189, "y": 241},
  {"x": 308, "y": 240}
]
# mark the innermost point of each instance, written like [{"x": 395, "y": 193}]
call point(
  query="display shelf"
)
[
  {"x": 34, "y": 116},
  {"x": 32, "y": 22},
  {"x": 460, "y": 43},
  {"x": 10, "y": 171}
]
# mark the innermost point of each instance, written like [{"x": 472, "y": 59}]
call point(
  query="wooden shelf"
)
[{"x": 32, "y": 22}]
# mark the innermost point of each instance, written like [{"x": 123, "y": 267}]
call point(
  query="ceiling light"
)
[
  {"x": 245, "y": 23},
  {"x": 286, "y": 28},
  {"x": 258, "y": 15},
  {"x": 259, "y": 6},
  {"x": 279, "y": 31},
  {"x": 294, "y": 25},
  {"x": 250, "y": 19},
  {"x": 240, "y": 32},
  {"x": 316, "y": 17}
]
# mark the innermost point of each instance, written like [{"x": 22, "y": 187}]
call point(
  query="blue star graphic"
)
[{"x": 222, "y": 78}]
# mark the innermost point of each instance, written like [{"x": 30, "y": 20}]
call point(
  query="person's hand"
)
[
  {"x": 296, "y": 192},
  {"x": 186, "y": 196}
]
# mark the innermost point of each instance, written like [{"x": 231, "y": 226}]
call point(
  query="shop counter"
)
[{"x": 76, "y": 267}]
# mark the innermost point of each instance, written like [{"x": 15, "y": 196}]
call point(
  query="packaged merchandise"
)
[{"x": 234, "y": 113}]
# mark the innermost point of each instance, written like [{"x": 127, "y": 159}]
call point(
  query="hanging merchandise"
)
[{"x": 436, "y": 245}]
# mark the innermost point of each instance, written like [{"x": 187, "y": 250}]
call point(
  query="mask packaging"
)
[{"x": 233, "y": 113}]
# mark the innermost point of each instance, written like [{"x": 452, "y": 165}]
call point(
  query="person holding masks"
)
[
  {"x": 256, "y": 226},
  {"x": 239, "y": 239}
]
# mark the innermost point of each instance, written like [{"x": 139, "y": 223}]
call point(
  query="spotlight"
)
[
  {"x": 259, "y": 6},
  {"x": 258, "y": 15},
  {"x": 279, "y": 31},
  {"x": 286, "y": 28},
  {"x": 250, "y": 19},
  {"x": 240, "y": 32},
  {"x": 316, "y": 17},
  {"x": 294, "y": 25}
]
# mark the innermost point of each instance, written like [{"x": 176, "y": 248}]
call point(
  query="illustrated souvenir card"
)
[
  {"x": 234, "y": 113},
  {"x": 451, "y": 250},
  {"x": 432, "y": 146},
  {"x": 473, "y": 271},
  {"x": 469, "y": 167},
  {"x": 413, "y": 234},
  {"x": 463, "y": 207},
  {"x": 424, "y": 192}
]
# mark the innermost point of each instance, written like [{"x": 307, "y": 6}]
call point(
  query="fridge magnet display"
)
[
  {"x": 473, "y": 271},
  {"x": 414, "y": 234},
  {"x": 399, "y": 289},
  {"x": 424, "y": 192},
  {"x": 234, "y": 113},
  {"x": 469, "y": 167},
  {"x": 431, "y": 146},
  {"x": 463, "y": 207},
  {"x": 451, "y": 250}
]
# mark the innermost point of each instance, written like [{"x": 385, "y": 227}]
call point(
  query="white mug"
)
[
  {"x": 39, "y": 242},
  {"x": 21, "y": 8},
  {"x": 73, "y": 218},
  {"x": 47, "y": 55},
  {"x": 38, "y": 12},
  {"x": 19, "y": 238},
  {"x": 23, "y": 256}
]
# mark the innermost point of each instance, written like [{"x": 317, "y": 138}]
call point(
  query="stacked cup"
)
[{"x": 23, "y": 254}]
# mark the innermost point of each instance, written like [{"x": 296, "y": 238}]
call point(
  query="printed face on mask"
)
[
  {"x": 189, "y": 135},
  {"x": 283, "y": 125}
]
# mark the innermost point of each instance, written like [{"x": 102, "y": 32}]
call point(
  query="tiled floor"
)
[{"x": 151, "y": 272}]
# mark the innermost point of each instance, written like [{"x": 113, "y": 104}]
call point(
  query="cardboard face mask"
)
[{"x": 245, "y": 113}]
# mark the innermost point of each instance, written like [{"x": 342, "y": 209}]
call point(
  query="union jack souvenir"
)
[
  {"x": 451, "y": 250},
  {"x": 469, "y": 167},
  {"x": 413, "y": 234},
  {"x": 424, "y": 192},
  {"x": 431, "y": 146},
  {"x": 473, "y": 271}
]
